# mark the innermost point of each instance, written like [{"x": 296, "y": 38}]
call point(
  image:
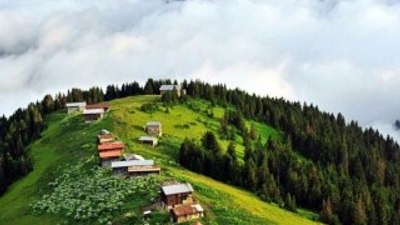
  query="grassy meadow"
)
[{"x": 67, "y": 140}]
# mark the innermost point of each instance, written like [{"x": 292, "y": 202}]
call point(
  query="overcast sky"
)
[{"x": 341, "y": 55}]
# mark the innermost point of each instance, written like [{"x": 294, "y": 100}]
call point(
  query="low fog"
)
[{"x": 339, "y": 55}]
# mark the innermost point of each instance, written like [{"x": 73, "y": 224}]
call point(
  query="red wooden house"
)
[
  {"x": 110, "y": 152},
  {"x": 111, "y": 146},
  {"x": 103, "y": 106}
]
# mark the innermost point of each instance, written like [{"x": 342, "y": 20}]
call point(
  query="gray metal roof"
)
[
  {"x": 119, "y": 164},
  {"x": 153, "y": 123},
  {"x": 75, "y": 104},
  {"x": 133, "y": 157},
  {"x": 177, "y": 189},
  {"x": 93, "y": 111},
  {"x": 168, "y": 87},
  {"x": 104, "y": 131},
  {"x": 147, "y": 138}
]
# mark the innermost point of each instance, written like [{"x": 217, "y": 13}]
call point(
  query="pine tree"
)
[
  {"x": 253, "y": 133},
  {"x": 326, "y": 213},
  {"x": 290, "y": 203},
  {"x": 224, "y": 127},
  {"x": 251, "y": 174},
  {"x": 209, "y": 141},
  {"x": 231, "y": 150},
  {"x": 149, "y": 87},
  {"x": 359, "y": 214},
  {"x": 48, "y": 104}
]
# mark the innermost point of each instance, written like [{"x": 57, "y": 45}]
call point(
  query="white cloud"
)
[
  {"x": 341, "y": 55},
  {"x": 252, "y": 78}
]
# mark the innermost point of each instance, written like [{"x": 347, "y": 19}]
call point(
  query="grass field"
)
[{"x": 68, "y": 140}]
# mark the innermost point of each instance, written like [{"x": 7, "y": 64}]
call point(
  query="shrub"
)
[
  {"x": 93, "y": 195},
  {"x": 149, "y": 107},
  {"x": 182, "y": 126}
]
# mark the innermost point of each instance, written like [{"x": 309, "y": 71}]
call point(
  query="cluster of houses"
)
[
  {"x": 177, "y": 198},
  {"x": 111, "y": 155},
  {"x": 95, "y": 112},
  {"x": 153, "y": 130},
  {"x": 91, "y": 112}
]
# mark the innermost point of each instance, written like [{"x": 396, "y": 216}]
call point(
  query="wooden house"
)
[
  {"x": 115, "y": 146},
  {"x": 148, "y": 140},
  {"x": 184, "y": 213},
  {"x": 135, "y": 168},
  {"x": 177, "y": 88},
  {"x": 177, "y": 194},
  {"x": 143, "y": 170},
  {"x": 107, "y": 157},
  {"x": 110, "y": 152},
  {"x": 93, "y": 114},
  {"x": 75, "y": 107},
  {"x": 104, "y": 106},
  {"x": 105, "y": 138},
  {"x": 153, "y": 128}
]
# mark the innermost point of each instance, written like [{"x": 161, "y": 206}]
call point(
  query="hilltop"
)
[
  {"x": 285, "y": 153},
  {"x": 68, "y": 141}
]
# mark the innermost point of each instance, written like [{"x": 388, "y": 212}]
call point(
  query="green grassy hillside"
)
[{"x": 67, "y": 140}]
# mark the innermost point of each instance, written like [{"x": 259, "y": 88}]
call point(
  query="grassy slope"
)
[
  {"x": 65, "y": 141},
  {"x": 68, "y": 140}
]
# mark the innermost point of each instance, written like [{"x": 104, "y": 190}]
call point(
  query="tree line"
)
[
  {"x": 26, "y": 124},
  {"x": 347, "y": 173},
  {"x": 350, "y": 174}
]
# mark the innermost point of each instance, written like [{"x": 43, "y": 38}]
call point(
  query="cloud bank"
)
[{"x": 340, "y": 55}]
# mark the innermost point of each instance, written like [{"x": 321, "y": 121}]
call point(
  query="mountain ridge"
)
[
  {"x": 322, "y": 162},
  {"x": 124, "y": 112}
]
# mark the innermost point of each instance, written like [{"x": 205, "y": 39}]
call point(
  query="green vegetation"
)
[
  {"x": 68, "y": 140},
  {"x": 25, "y": 126},
  {"x": 92, "y": 195},
  {"x": 65, "y": 140},
  {"x": 316, "y": 159}
]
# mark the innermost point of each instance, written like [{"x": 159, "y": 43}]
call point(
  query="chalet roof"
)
[
  {"x": 198, "y": 208},
  {"x": 153, "y": 123},
  {"x": 104, "y": 131},
  {"x": 111, "y": 146},
  {"x": 169, "y": 87},
  {"x": 184, "y": 210},
  {"x": 143, "y": 168},
  {"x": 133, "y": 157},
  {"x": 177, "y": 189},
  {"x": 75, "y": 104},
  {"x": 120, "y": 164},
  {"x": 98, "y": 106},
  {"x": 147, "y": 138},
  {"x": 106, "y": 137},
  {"x": 110, "y": 154},
  {"x": 93, "y": 111}
]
